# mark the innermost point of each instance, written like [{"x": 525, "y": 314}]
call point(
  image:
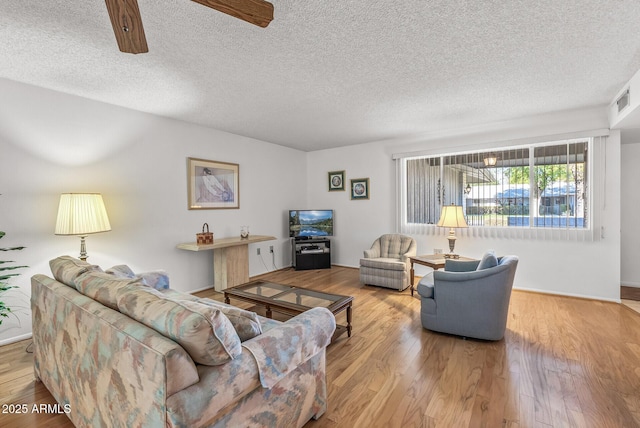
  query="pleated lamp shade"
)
[{"x": 81, "y": 214}]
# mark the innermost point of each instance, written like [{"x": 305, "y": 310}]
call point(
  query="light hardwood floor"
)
[
  {"x": 633, "y": 304},
  {"x": 564, "y": 362}
]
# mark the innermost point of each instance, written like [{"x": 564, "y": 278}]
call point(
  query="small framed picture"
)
[
  {"x": 213, "y": 184},
  {"x": 360, "y": 188},
  {"x": 336, "y": 181}
]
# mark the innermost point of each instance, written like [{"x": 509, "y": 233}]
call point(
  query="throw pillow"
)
[
  {"x": 103, "y": 287},
  {"x": 488, "y": 260},
  {"x": 246, "y": 323},
  {"x": 203, "y": 331},
  {"x": 66, "y": 269},
  {"x": 121, "y": 271},
  {"x": 154, "y": 279}
]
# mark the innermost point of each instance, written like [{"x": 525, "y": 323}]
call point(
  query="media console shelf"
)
[
  {"x": 230, "y": 258},
  {"x": 311, "y": 253}
]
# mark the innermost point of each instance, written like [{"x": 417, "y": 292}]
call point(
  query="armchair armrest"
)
[
  {"x": 426, "y": 285},
  {"x": 283, "y": 348},
  {"x": 372, "y": 253}
]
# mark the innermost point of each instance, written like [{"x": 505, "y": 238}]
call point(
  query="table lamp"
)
[
  {"x": 81, "y": 214},
  {"x": 452, "y": 217}
]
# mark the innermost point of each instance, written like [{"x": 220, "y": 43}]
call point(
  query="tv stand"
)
[{"x": 311, "y": 253}]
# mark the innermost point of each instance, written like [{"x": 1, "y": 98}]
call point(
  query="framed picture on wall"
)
[
  {"x": 336, "y": 181},
  {"x": 212, "y": 184},
  {"x": 360, "y": 188}
]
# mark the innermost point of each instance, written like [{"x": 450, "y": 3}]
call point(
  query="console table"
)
[{"x": 230, "y": 258}]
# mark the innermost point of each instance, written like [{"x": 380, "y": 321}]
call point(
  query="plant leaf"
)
[{"x": 11, "y": 267}]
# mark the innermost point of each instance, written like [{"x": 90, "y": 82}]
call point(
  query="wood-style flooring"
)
[{"x": 564, "y": 362}]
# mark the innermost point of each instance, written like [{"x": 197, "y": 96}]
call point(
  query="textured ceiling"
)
[{"x": 330, "y": 73}]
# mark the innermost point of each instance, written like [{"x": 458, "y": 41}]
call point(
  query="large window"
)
[{"x": 533, "y": 186}]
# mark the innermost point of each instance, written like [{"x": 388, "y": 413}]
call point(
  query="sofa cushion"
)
[
  {"x": 66, "y": 269},
  {"x": 178, "y": 295},
  {"x": 246, "y": 323},
  {"x": 103, "y": 287},
  {"x": 383, "y": 263},
  {"x": 202, "y": 330},
  {"x": 488, "y": 260}
]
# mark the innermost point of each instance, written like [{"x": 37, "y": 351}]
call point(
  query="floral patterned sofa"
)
[{"x": 120, "y": 353}]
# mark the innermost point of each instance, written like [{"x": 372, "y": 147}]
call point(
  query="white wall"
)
[
  {"x": 52, "y": 143},
  {"x": 629, "y": 209},
  {"x": 580, "y": 269}
]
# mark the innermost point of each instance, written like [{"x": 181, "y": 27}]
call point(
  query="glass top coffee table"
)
[{"x": 290, "y": 300}]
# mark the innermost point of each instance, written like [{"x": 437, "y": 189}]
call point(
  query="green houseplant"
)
[{"x": 6, "y": 272}]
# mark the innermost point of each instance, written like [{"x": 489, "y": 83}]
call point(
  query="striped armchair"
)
[{"x": 386, "y": 263}]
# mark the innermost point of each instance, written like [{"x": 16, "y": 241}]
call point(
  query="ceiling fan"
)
[{"x": 127, "y": 22}]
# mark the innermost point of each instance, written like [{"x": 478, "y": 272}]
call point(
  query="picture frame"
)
[
  {"x": 336, "y": 181},
  {"x": 212, "y": 184},
  {"x": 360, "y": 188}
]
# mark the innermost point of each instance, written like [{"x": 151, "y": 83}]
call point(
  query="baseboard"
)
[
  {"x": 575, "y": 296},
  {"x": 345, "y": 266},
  {"x": 630, "y": 284},
  {"x": 208, "y": 287},
  {"x": 15, "y": 339}
]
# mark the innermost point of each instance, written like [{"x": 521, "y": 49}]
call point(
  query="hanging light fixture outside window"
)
[{"x": 491, "y": 160}]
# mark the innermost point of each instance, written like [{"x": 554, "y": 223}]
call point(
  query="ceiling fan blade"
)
[
  {"x": 127, "y": 25},
  {"x": 257, "y": 12}
]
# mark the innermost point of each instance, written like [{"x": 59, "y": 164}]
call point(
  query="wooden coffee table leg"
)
[
  {"x": 269, "y": 314},
  {"x": 349, "y": 321},
  {"x": 226, "y": 298}
]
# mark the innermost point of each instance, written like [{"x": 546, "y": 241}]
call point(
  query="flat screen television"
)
[{"x": 310, "y": 223}]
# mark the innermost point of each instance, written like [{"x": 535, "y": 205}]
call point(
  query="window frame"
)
[{"x": 588, "y": 171}]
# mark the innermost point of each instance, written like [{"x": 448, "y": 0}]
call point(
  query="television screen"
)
[{"x": 310, "y": 223}]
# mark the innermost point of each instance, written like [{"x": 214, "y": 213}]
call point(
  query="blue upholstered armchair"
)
[
  {"x": 468, "y": 301},
  {"x": 386, "y": 263}
]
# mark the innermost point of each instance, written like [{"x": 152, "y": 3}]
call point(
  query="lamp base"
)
[
  {"x": 452, "y": 240},
  {"x": 83, "y": 248}
]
